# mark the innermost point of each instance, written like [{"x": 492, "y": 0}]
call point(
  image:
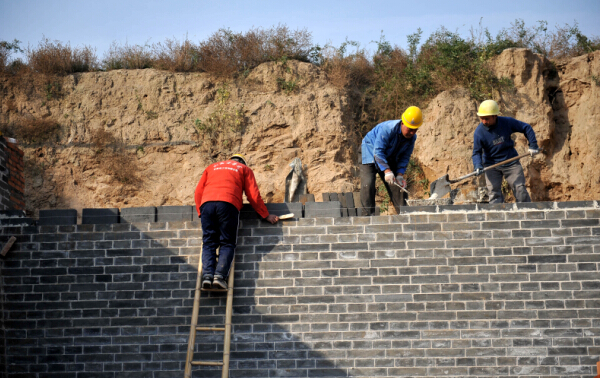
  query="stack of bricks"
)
[
  {"x": 12, "y": 183},
  {"x": 474, "y": 293}
]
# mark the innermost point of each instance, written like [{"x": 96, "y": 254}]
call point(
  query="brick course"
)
[{"x": 499, "y": 292}]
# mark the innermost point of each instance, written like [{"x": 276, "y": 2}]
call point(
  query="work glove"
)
[
  {"x": 533, "y": 151},
  {"x": 389, "y": 178},
  {"x": 478, "y": 171},
  {"x": 401, "y": 181}
]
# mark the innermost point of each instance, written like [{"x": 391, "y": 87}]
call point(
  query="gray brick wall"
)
[{"x": 477, "y": 293}]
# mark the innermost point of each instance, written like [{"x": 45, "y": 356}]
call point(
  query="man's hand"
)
[
  {"x": 389, "y": 177},
  {"x": 401, "y": 181},
  {"x": 533, "y": 151},
  {"x": 272, "y": 218},
  {"x": 478, "y": 171}
]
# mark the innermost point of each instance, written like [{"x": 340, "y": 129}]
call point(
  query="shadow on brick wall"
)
[{"x": 116, "y": 301}]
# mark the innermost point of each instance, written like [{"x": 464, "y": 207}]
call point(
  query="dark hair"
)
[{"x": 239, "y": 160}]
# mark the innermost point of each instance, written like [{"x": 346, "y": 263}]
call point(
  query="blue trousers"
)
[{"x": 219, "y": 230}]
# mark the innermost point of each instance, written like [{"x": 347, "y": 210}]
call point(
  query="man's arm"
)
[
  {"x": 477, "y": 152},
  {"x": 526, "y": 129},
  {"x": 253, "y": 194},
  {"x": 199, "y": 191},
  {"x": 380, "y": 146}
]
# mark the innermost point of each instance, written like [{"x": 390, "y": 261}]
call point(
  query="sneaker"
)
[
  {"x": 207, "y": 282},
  {"x": 219, "y": 283}
]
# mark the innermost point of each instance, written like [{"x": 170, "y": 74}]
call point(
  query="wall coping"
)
[{"x": 157, "y": 214}]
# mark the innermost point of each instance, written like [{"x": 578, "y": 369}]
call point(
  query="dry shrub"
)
[
  {"x": 218, "y": 53},
  {"x": 120, "y": 166},
  {"x": 567, "y": 41},
  {"x": 101, "y": 139},
  {"x": 34, "y": 131},
  {"x": 128, "y": 57},
  {"x": 280, "y": 42},
  {"x": 113, "y": 159},
  {"x": 226, "y": 53},
  {"x": 350, "y": 70},
  {"x": 175, "y": 56},
  {"x": 54, "y": 58},
  {"x": 561, "y": 42}
]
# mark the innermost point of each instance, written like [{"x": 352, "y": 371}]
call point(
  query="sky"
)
[{"x": 97, "y": 24}]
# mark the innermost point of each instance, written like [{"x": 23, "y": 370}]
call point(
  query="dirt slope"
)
[
  {"x": 562, "y": 107},
  {"x": 172, "y": 125},
  {"x": 154, "y": 114}
]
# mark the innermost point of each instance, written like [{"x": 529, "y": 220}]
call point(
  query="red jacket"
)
[{"x": 225, "y": 181}]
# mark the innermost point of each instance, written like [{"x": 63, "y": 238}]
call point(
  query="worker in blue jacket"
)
[
  {"x": 492, "y": 144},
  {"x": 386, "y": 150}
]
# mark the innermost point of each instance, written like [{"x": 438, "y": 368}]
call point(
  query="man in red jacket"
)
[{"x": 218, "y": 199}]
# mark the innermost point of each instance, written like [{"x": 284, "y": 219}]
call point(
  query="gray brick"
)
[
  {"x": 175, "y": 213},
  {"x": 546, "y": 259},
  {"x": 100, "y": 216},
  {"x": 594, "y": 240},
  {"x": 544, "y": 241},
  {"x": 461, "y": 226},
  {"x": 138, "y": 215},
  {"x": 570, "y": 223},
  {"x": 322, "y": 209},
  {"x": 541, "y": 224},
  {"x": 57, "y": 217},
  {"x": 535, "y": 205}
]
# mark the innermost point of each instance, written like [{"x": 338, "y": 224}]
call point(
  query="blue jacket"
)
[
  {"x": 495, "y": 144},
  {"x": 387, "y": 147}
]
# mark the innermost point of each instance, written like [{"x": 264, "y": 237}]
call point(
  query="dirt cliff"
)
[
  {"x": 161, "y": 129},
  {"x": 170, "y": 126},
  {"x": 562, "y": 104}
]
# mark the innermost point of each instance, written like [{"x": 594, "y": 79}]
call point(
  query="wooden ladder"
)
[{"x": 189, "y": 361}]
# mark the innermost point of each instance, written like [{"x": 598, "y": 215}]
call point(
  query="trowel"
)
[{"x": 441, "y": 186}]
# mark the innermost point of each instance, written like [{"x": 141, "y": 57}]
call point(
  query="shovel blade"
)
[{"x": 439, "y": 187}]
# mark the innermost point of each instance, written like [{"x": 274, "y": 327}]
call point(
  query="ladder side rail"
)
[
  {"x": 228, "y": 313},
  {"x": 196, "y": 310}
]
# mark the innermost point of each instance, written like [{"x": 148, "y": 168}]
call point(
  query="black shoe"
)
[
  {"x": 219, "y": 283},
  {"x": 207, "y": 282}
]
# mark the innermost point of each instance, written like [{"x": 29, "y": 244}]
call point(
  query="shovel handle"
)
[
  {"x": 488, "y": 168},
  {"x": 404, "y": 190}
]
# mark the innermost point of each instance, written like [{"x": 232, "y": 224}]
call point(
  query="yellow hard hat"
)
[
  {"x": 238, "y": 157},
  {"x": 412, "y": 117},
  {"x": 488, "y": 108}
]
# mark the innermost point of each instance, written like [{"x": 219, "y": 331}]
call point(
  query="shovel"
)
[{"x": 441, "y": 186}]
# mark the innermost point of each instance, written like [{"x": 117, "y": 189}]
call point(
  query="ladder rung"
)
[
  {"x": 210, "y": 328},
  {"x": 207, "y": 363}
]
